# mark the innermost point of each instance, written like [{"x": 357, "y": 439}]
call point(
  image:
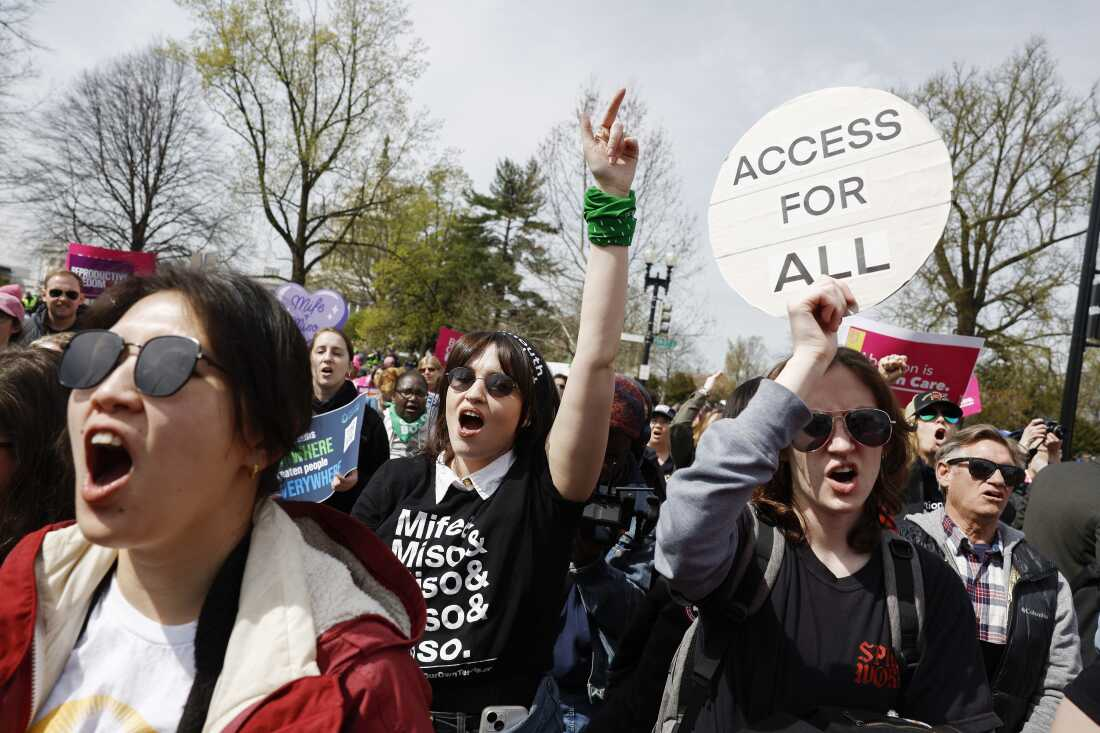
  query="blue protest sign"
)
[{"x": 328, "y": 449}]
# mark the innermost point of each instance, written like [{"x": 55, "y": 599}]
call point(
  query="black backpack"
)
[{"x": 696, "y": 669}]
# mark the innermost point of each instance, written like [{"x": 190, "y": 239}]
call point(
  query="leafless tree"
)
[
  {"x": 16, "y": 45},
  {"x": 125, "y": 159},
  {"x": 1024, "y": 149},
  {"x": 320, "y": 105}
]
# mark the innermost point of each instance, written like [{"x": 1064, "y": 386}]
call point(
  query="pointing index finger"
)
[{"x": 613, "y": 109}]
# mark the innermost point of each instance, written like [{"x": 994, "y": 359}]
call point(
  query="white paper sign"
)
[{"x": 848, "y": 182}]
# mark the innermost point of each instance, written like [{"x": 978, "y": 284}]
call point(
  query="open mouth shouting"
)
[
  {"x": 842, "y": 478},
  {"x": 470, "y": 422},
  {"x": 941, "y": 434},
  {"x": 108, "y": 462}
]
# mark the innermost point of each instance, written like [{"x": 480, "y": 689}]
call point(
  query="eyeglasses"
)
[
  {"x": 164, "y": 363},
  {"x": 410, "y": 393},
  {"x": 496, "y": 383},
  {"x": 981, "y": 469},
  {"x": 58, "y": 292},
  {"x": 424, "y": 370},
  {"x": 931, "y": 415},
  {"x": 868, "y": 426}
]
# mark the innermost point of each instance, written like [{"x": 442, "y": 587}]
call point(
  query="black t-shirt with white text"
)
[
  {"x": 492, "y": 572},
  {"x": 822, "y": 641}
]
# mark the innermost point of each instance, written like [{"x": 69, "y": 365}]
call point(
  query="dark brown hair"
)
[
  {"x": 262, "y": 353},
  {"x": 775, "y": 502},
  {"x": 33, "y": 409},
  {"x": 539, "y": 395}
]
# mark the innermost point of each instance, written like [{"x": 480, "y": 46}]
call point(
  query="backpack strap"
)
[
  {"x": 904, "y": 601},
  {"x": 740, "y": 596}
]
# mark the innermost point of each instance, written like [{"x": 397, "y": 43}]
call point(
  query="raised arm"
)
[{"x": 575, "y": 448}]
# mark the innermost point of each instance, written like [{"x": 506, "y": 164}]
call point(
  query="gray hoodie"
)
[{"x": 1064, "y": 660}]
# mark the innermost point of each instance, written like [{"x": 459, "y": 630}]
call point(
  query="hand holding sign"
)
[
  {"x": 815, "y": 319},
  {"x": 612, "y": 157}
]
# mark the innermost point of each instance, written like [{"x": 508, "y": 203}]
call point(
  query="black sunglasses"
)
[
  {"x": 496, "y": 383},
  {"x": 868, "y": 426},
  {"x": 164, "y": 363},
  {"x": 58, "y": 292},
  {"x": 981, "y": 469}
]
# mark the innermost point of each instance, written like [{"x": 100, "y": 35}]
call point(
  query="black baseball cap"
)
[{"x": 925, "y": 400}]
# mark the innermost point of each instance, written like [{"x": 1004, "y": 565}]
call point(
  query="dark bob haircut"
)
[
  {"x": 775, "y": 500},
  {"x": 253, "y": 338},
  {"x": 537, "y": 390},
  {"x": 33, "y": 408}
]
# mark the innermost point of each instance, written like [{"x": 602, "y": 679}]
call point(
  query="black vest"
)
[{"x": 1032, "y": 611}]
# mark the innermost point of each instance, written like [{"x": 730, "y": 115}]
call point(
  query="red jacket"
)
[{"x": 342, "y": 624}]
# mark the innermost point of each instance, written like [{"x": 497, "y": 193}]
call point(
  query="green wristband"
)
[{"x": 610, "y": 218}]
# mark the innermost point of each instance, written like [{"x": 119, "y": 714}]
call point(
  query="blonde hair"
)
[{"x": 702, "y": 425}]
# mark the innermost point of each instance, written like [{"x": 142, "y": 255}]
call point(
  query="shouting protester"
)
[
  {"x": 60, "y": 308},
  {"x": 1026, "y": 623},
  {"x": 810, "y": 463},
  {"x": 184, "y": 598},
  {"x": 935, "y": 419},
  {"x": 486, "y": 518},
  {"x": 406, "y": 418},
  {"x": 659, "y": 439},
  {"x": 330, "y": 361}
]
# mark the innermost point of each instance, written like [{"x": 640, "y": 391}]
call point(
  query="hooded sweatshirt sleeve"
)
[{"x": 696, "y": 532}]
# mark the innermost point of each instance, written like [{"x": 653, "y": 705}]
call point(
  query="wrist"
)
[
  {"x": 801, "y": 373},
  {"x": 613, "y": 190}
]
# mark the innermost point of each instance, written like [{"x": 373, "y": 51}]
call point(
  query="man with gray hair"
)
[{"x": 1026, "y": 624}]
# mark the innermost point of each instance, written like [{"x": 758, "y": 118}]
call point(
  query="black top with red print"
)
[
  {"x": 822, "y": 641},
  {"x": 493, "y": 572}
]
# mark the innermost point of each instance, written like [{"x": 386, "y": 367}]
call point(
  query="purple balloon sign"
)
[{"x": 313, "y": 311}]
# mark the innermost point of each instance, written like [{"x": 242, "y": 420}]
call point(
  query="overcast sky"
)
[{"x": 502, "y": 73}]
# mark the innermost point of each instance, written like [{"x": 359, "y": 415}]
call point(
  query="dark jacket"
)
[
  {"x": 1043, "y": 651},
  {"x": 36, "y": 324},
  {"x": 374, "y": 447},
  {"x": 680, "y": 439},
  {"x": 1063, "y": 515}
]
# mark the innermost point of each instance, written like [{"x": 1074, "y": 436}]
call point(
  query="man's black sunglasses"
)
[
  {"x": 164, "y": 363},
  {"x": 496, "y": 383},
  {"x": 868, "y": 426},
  {"x": 981, "y": 469},
  {"x": 58, "y": 292}
]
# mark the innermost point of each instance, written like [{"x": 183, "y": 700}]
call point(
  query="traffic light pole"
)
[
  {"x": 1080, "y": 322},
  {"x": 656, "y": 283}
]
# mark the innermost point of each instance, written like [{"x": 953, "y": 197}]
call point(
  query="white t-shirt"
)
[{"x": 127, "y": 673}]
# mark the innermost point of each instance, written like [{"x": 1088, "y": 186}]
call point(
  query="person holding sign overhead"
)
[
  {"x": 819, "y": 451},
  {"x": 184, "y": 598},
  {"x": 330, "y": 361},
  {"x": 486, "y": 518}
]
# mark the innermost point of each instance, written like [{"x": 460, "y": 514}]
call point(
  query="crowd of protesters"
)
[{"x": 517, "y": 550}]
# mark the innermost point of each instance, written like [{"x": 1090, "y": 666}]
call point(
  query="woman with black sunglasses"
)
[
  {"x": 820, "y": 452},
  {"x": 184, "y": 598},
  {"x": 486, "y": 518}
]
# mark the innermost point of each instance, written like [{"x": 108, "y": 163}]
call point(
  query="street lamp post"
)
[{"x": 656, "y": 282}]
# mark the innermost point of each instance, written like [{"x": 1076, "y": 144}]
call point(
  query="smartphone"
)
[{"x": 501, "y": 717}]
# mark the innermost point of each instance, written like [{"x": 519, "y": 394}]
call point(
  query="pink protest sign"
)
[
  {"x": 940, "y": 362},
  {"x": 971, "y": 403},
  {"x": 98, "y": 267},
  {"x": 443, "y": 343}
]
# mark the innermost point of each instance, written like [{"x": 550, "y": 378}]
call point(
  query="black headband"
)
[{"x": 538, "y": 366}]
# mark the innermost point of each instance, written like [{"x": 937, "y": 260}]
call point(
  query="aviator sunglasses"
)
[
  {"x": 58, "y": 292},
  {"x": 164, "y": 363},
  {"x": 981, "y": 469},
  {"x": 868, "y": 426},
  {"x": 496, "y": 383}
]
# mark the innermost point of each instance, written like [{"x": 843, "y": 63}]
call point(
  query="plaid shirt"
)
[{"x": 986, "y": 578}]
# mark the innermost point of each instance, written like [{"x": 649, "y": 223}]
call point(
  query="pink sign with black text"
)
[{"x": 940, "y": 362}]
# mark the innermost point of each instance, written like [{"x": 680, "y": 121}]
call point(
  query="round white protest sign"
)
[{"x": 847, "y": 182}]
